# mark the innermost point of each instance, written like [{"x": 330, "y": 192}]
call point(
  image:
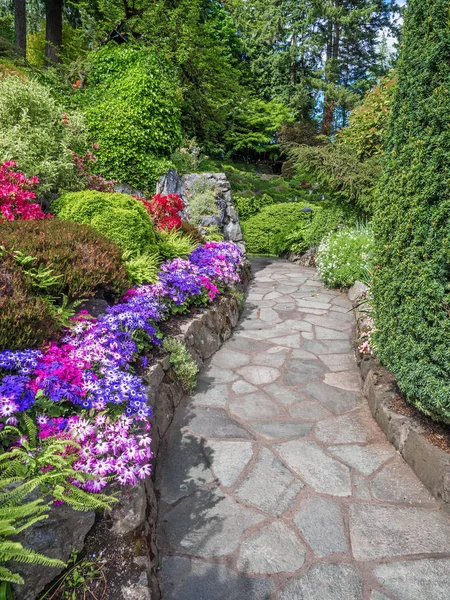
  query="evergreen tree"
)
[{"x": 412, "y": 223}]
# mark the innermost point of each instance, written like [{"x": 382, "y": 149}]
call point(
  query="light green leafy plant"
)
[
  {"x": 34, "y": 133},
  {"x": 182, "y": 362},
  {"x": 142, "y": 268},
  {"x": 16, "y": 515},
  {"x": 202, "y": 202},
  {"x": 31, "y": 457},
  {"x": 174, "y": 243},
  {"x": 344, "y": 256}
]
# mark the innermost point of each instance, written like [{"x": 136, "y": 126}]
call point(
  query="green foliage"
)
[
  {"x": 182, "y": 362},
  {"x": 142, "y": 268},
  {"x": 254, "y": 126},
  {"x": 45, "y": 265},
  {"x": 368, "y": 121},
  {"x": 188, "y": 158},
  {"x": 212, "y": 234},
  {"x": 75, "y": 42},
  {"x": 412, "y": 223},
  {"x": 83, "y": 576},
  {"x": 331, "y": 217},
  {"x": 17, "y": 514},
  {"x": 175, "y": 243},
  {"x": 344, "y": 256},
  {"x": 51, "y": 460},
  {"x": 262, "y": 231},
  {"x": 119, "y": 217},
  {"x": 249, "y": 206},
  {"x": 338, "y": 169},
  {"x": 247, "y": 181},
  {"x": 58, "y": 257},
  {"x": 133, "y": 113},
  {"x": 202, "y": 202},
  {"x": 33, "y": 134}
]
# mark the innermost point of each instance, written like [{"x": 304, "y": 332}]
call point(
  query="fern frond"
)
[
  {"x": 15, "y": 551},
  {"x": 8, "y": 576}
]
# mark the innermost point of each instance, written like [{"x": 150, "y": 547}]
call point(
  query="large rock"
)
[
  {"x": 56, "y": 537},
  {"x": 228, "y": 219}
]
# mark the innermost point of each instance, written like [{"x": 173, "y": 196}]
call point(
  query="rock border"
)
[
  {"x": 430, "y": 463},
  {"x": 130, "y": 528}
]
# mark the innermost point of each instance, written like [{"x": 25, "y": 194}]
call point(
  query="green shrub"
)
[
  {"x": 175, "y": 243},
  {"x": 345, "y": 256},
  {"x": 84, "y": 261},
  {"x": 25, "y": 319},
  {"x": 412, "y": 220},
  {"x": 182, "y": 362},
  {"x": 119, "y": 217},
  {"x": 248, "y": 207},
  {"x": 327, "y": 219},
  {"x": 33, "y": 134},
  {"x": 142, "y": 268},
  {"x": 368, "y": 121},
  {"x": 202, "y": 202},
  {"x": 133, "y": 114},
  {"x": 261, "y": 232},
  {"x": 76, "y": 261}
]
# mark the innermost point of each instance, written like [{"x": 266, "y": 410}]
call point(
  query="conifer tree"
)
[{"x": 412, "y": 223}]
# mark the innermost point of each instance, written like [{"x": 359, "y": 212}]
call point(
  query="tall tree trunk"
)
[
  {"x": 20, "y": 25},
  {"x": 293, "y": 62},
  {"x": 331, "y": 70},
  {"x": 53, "y": 16}
]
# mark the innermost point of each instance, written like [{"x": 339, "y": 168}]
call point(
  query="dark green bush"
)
[
  {"x": 133, "y": 114},
  {"x": 119, "y": 217},
  {"x": 261, "y": 232},
  {"x": 25, "y": 319},
  {"x": 84, "y": 263},
  {"x": 329, "y": 218},
  {"x": 412, "y": 220}
]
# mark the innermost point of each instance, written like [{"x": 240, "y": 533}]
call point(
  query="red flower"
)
[
  {"x": 16, "y": 192},
  {"x": 164, "y": 210}
]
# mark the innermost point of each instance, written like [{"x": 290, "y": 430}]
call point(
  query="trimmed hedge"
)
[
  {"x": 119, "y": 217},
  {"x": 262, "y": 231},
  {"x": 412, "y": 220},
  {"x": 85, "y": 262}
]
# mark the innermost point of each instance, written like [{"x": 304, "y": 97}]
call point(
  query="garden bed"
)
[
  {"x": 122, "y": 543},
  {"x": 423, "y": 443}
]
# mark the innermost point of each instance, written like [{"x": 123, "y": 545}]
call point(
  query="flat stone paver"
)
[{"x": 275, "y": 481}]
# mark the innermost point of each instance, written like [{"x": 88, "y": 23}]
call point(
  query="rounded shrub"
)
[
  {"x": 262, "y": 231},
  {"x": 133, "y": 113},
  {"x": 84, "y": 261},
  {"x": 79, "y": 262},
  {"x": 248, "y": 207},
  {"x": 26, "y": 320},
  {"x": 412, "y": 219},
  {"x": 345, "y": 256},
  {"x": 35, "y": 134},
  {"x": 119, "y": 217}
]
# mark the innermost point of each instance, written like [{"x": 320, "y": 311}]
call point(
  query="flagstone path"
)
[{"x": 275, "y": 481}]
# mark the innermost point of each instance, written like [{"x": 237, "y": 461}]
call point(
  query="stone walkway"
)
[{"x": 275, "y": 481}]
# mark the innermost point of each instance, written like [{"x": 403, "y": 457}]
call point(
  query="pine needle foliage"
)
[{"x": 412, "y": 222}]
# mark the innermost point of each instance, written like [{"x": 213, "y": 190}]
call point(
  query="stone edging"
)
[
  {"x": 130, "y": 528},
  {"x": 406, "y": 433}
]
